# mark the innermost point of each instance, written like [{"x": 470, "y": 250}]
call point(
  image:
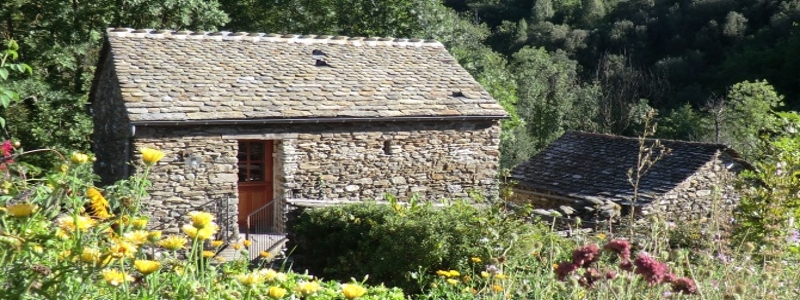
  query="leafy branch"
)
[{"x": 7, "y": 56}]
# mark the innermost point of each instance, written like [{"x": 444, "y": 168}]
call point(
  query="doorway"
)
[{"x": 256, "y": 185}]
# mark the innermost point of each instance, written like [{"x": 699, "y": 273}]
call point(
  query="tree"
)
[
  {"x": 7, "y": 57},
  {"x": 548, "y": 90},
  {"x": 623, "y": 88},
  {"x": 592, "y": 11},
  {"x": 542, "y": 11},
  {"x": 749, "y": 114},
  {"x": 62, "y": 40}
]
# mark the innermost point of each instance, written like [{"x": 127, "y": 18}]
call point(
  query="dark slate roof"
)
[
  {"x": 595, "y": 166},
  {"x": 167, "y": 75}
]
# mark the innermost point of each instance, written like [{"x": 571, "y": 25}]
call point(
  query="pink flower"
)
[
  {"x": 7, "y": 148},
  {"x": 611, "y": 275},
  {"x": 626, "y": 265},
  {"x": 620, "y": 247},
  {"x": 590, "y": 277},
  {"x": 685, "y": 286},
  {"x": 586, "y": 255},
  {"x": 651, "y": 269},
  {"x": 564, "y": 269}
]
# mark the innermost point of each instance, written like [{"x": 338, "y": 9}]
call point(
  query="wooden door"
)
[{"x": 255, "y": 183}]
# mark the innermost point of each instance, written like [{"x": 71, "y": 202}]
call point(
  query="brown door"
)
[{"x": 255, "y": 183}]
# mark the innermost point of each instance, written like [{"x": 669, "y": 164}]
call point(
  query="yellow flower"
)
[
  {"x": 201, "y": 219},
  {"x": 115, "y": 277},
  {"x": 147, "y": 266},
  {"x": 200, "y": 234},
  {"x": 38, "y": 249},
  {"x": 173, "y": 243},
  {"x": 307, "y": 287},
  {"x": 451, "y": 273},
  {"x": 139, "y": 223},
  {"x": 268, "y": 274},
  {"x": 484, "y": 274},
  {"x": 154, "y": 236},
  {"x": 352, "y": 291},
  {"x": 452, "y": 281},
  {"x": 475, "y": 259},
  {"x": 79, "y": 158},
  {"x": 500, "y": 276},
  {"x": 63, "y": 168},
  {"x": 237, "y": 246},
  {"x": 265, "y": 254},
  {"x": 137, "y": 237},
  {"x": 247, "y": 243},
  {"x": 21, "y": 209},
  {"x": 216, "y": 243},
  {"x": 497, "y": 288},
  {"x": 90, "y": 255},
  {"x": 601, "y": 236},
  {"x": 151, "y": 156},
  {"x": 122, "y": 249},
  {"x": 98, "y": 203},
  {"x": 276, "y": 292},
  {"x": 250, "y": 279},
  {"x": 70, "y": 224},
  {"x": 208, "y": 254}
]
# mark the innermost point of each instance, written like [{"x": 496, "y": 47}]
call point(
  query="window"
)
[
  {"x": 252, "y": 161},
  {"x": 387, "y": 147}
]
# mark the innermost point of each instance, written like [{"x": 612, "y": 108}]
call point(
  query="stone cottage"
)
[
  {"x": 587, "y": 174},
  {"x": 253, "y": 121}
]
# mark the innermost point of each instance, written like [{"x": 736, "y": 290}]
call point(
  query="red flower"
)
[
  {"x": 564, "y": 269},
  {"x": 586, "y": 255},
  {"x": 8, "y": 148},
  {"x": 611, "y": 275},
  {"x": 626, "y": 265},
  {"x": 590, "y": 277},
  {"x": 685, "y": 286},
  {"x": 651, "y": 269},
  {"x": 620, "y": 247}
]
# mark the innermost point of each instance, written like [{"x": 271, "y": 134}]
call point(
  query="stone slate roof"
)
[
  {"x": 184, "y": 75},
  {"x": 595, "y": 167}
]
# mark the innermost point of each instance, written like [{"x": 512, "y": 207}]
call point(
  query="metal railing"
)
[{"x": 261, "y": 229}]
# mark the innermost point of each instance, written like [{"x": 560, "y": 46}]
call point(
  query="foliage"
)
[
  {"x": 7, "y": 58},
  {"x": 769, "y": 208},
  {"x": 392, "y": 242},
  {"x": 62, "y": 40},
  {"x": 66, "y": 239},
  {"x": 754, "y": 102}
]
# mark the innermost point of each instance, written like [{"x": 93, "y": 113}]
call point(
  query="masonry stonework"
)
[
  {"x": 709, "y": 192},
  {"x": 357, "y": 161}
]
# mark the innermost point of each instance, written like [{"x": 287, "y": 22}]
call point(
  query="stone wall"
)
[
  {"x": 708, "y": 192},
  {"x": 196, "y": 173},
  {"x": 112, "y": 128},
  {"x": 359, "y": 161}
]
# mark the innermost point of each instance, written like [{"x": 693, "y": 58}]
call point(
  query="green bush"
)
[{"x": 391, "y": 243}]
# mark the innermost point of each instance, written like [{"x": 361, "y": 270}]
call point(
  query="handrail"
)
[{"x": 263, "y": 224}]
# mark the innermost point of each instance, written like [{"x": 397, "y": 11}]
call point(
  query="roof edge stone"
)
[{"x": 270, "y": 37}]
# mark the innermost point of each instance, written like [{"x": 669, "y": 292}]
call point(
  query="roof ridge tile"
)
[{"x": 271, "y": 37}]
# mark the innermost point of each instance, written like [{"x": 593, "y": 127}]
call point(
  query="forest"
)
[{"x": 713, "y": 70}]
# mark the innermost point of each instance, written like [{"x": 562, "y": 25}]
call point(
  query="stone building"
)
[
  {"x": 587, "y": 174},
  {"x": 250, "y": 122}
]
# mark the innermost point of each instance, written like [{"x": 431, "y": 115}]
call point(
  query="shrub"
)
[{"x": 392, "y": 242}]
